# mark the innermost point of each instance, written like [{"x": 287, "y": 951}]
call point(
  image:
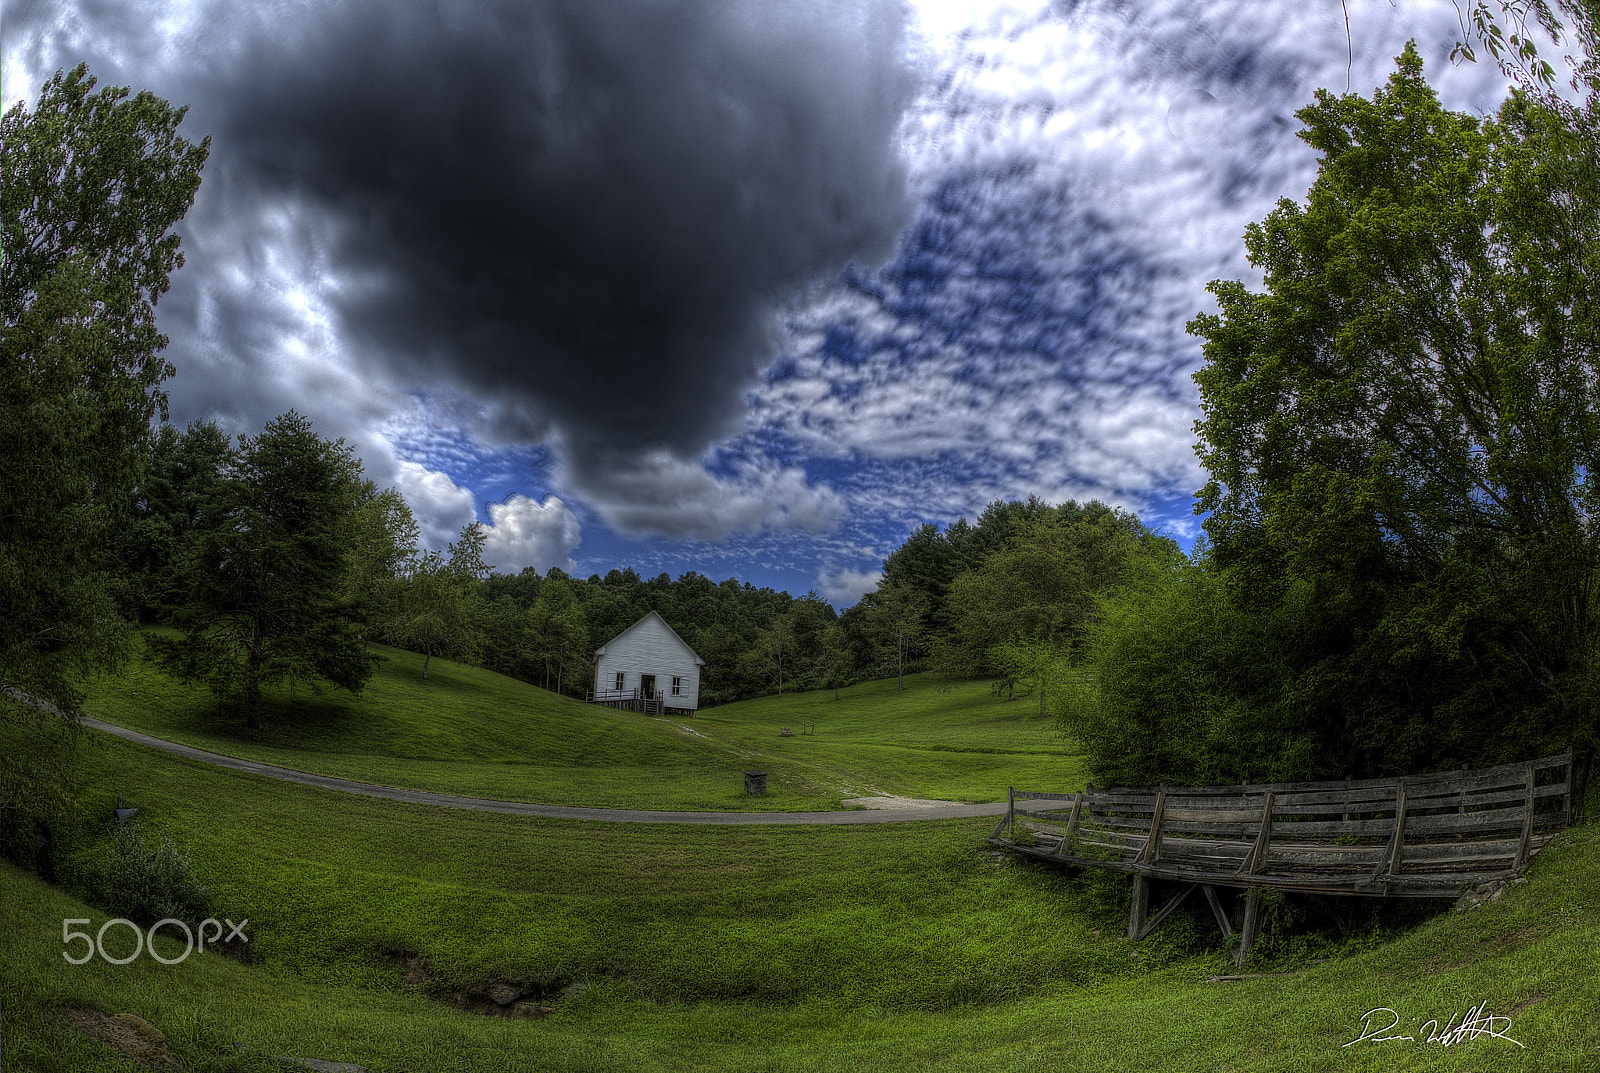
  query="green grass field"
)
[
  {"x": 792, "y": 948},
  {"x": 473, "y": 732}
]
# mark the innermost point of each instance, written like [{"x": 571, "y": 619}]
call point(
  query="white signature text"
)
[{"x": 1476, "y": 1023}]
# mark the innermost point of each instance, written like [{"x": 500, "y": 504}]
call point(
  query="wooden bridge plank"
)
[{"x": 1527, "y": 827}]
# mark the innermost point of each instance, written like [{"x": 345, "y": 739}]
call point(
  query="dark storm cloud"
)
[{"x": 580, "y": 212}]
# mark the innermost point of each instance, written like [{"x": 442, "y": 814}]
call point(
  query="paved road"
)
[{"x": 566, "y": 812}]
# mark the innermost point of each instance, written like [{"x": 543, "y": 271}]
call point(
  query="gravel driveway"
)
[{"x": 877, "y": 810}]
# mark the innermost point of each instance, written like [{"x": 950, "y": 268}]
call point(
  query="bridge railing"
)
[{"x": 1417, "y": 836}]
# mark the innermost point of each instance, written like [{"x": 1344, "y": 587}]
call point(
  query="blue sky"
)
[{"x": 713, "y": 289}]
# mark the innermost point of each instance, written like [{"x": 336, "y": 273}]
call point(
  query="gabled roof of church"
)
[{"x": 647, "y": 615}]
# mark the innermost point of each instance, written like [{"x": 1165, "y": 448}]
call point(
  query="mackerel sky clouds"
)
[{"x": 745, "y": 288}]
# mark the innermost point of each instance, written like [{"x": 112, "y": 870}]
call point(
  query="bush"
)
[
  {"x": 144, "y": 884},
  {"x": 1186, "y": 688}
]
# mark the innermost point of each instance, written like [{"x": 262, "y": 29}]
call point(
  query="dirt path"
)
[{"x": 877, "y": 809}]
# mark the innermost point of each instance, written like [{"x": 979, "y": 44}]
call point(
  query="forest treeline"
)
[
  {"x": 1326, "y": 650},
  {"x": 222, "y": 540}
]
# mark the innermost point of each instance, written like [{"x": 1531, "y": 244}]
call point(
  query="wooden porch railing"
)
[{"x": 633, "y": 700}]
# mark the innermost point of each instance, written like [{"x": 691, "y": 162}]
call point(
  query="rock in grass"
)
[
  {"x": 1486, "y": 892},
  {"x": 502, "y": 993},
  {"x": 132, "y": 1036}
]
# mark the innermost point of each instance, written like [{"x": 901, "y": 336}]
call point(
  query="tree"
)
[
  {"x": 835, "y": 656},
  {"x": 557, "y": 632},
  {"x": 266, "y": 600},
  {"x": 1037, "y": 666},
  {"x": 429, "y": 610},
  {"x": 1502, "y": 29},
  {"x": 808, "y": 620},
  {"x": 434, "y": 609},
  {"x": 466, "y": 555},
  {"x": 1030, "y": 602},
  {"x": 381, "y": 537},
  {"x": 897, "y": 619},
  {"x": 178, "y": 490},
  {"x": 91, "y": 185},
  {"x": 927, "y": 562},
  {"x": 778, "y": 643},
  {"x": 1404, "y": 428},
  {"x": 1186, "y": 687}
]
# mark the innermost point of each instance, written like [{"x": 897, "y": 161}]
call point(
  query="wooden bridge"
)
[
  {"x": 633, "y": 700},
  {"x": 1422, "y": 836}
]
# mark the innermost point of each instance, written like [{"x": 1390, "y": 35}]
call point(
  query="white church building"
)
[{"x": 648, "y": 668}]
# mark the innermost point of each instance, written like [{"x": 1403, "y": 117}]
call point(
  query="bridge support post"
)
[
  {"x": 1141, "y": 905},
  {"x": 1252, "y": 925},
  {"x": 1216, "y": 910}
]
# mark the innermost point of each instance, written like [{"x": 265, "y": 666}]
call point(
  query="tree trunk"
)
[
  {"x": 252, "y": 685},
  {"x": 252, "y": 701}
]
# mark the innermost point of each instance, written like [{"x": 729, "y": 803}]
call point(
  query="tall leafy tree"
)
[
  {"x": 92, "y": 184},
  {"x": 266, "y": 601},
  {"x": 434, "y": 609},
  {"x": 178, "y": 490},
  {"x": 896, "y": 619},
  {"x": 1186, "y": 687},
  {"x": 778, "y": 646},
  {"x": 926, "y": 562},
  {"x": 1405, "y": 426},
  {"x": 429, "y": 612},
  {"x": 834, "y": 659},
  {"x": 557, "y": 634},
  {"x": 381, "y": 537},
  {"x": 1030, "y": 602}
]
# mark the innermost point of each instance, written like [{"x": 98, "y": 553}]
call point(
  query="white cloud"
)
[
  {"x": 521, "y": 531},
  {"x": 442, "y": 507},
  {"x": 524, "y": 532},
  {"x": 655, "y": 492},
  {"x": 844, "y": 586}
]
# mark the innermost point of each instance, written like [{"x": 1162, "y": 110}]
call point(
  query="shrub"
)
[
  {"x": 1186, "y": 688},
  {"x": 143, "y": 883}
]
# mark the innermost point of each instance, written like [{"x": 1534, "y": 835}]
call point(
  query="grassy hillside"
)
[
  {"x": 332, "y": 880},
  {"x": 469, "y": 731},
  {"x": 905, "y": 947},
  {"x": 937, "y": 739}
]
